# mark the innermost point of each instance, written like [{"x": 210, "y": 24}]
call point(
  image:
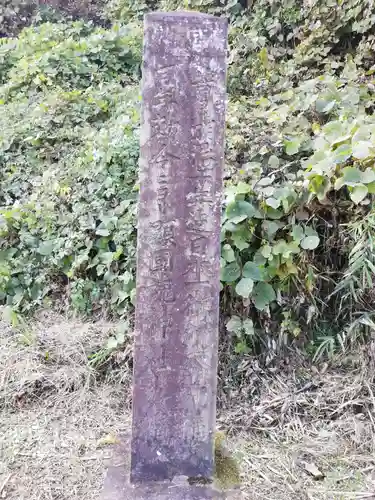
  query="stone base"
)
[{"x": 118, "y": 487}]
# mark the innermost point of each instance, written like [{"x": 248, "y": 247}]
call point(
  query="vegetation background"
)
[
  {"x": 298, "y": 225},
  {"x": 298, "y": 257}
]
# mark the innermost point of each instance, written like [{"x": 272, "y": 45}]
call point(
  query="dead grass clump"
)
[
  {"x": 59, "y": 447},
  {"x": 307, "y": 434},
  {"x": 49, "y": 356},
  {"x": 298, "y": 432}
]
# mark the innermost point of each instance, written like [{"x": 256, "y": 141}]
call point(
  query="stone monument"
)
[{"x": 177, "y": 308}]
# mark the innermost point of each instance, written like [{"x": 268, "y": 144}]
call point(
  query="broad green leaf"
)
[
  {"x": 107, "y": 257},
  {"x": 248, "y": 327},
  {"x": 266, "y": 181},
  {"x": 266, "y": 251},
  {"x": 371, "y": 188},
  {"x": 310, "y": 242},
  {"x": 231, "y": 272},
  {"x": 309, "y": 231},
  {"x": 234, "y": 325},
  {"x": 362, "y": 150},
  {"x": 359, "y": 193},
  {"x": 339, "y": 183},
  {"x": 272, "y": 202},
  {"x": 241, "y": 348},
  {"x": 351, "y": 176},
  {"x": 270, "y": 228},
  {"x": 298, "y": 233},
  {"x": 240, "y": 209},
  {"x": 253, "y": 271},
  {"x": 242, "y": 188},
  {"x": 268, "y": 191},
  {"x": 324, "y": 106},
  {"x": 239, "y": 241},
  {"x": 368, "y": 176},
  {"x": 228, "y": 253},
  {"x": 263, "y": 295},
  {"x": 292, "y": 146},
  {"x": 46, "y": 248},
  {"x": 235, "y": 220},
  {"x": 273, "y": 161},
  {"x": 280, "y": 247},
  {"x": 133, "y": 296},
  {"x": 274, "y": 214},
  {"x": 342, "y": 153},
  {"x": 244, "y": 287}
]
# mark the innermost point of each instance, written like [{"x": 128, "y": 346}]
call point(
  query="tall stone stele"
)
[{"x": 177, "y": 308}]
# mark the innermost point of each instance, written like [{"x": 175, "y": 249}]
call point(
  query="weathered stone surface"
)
[
  {"x": 176, "y": 332},
  {"x": 118, "y": 487}
]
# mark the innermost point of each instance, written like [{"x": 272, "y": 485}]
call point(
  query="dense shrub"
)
[
  {"x": 298, "y": 227},
  {"x": 68, "y": 157},
  {"x": 17, "y": 14}
]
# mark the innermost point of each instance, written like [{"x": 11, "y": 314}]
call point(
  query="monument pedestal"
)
[{"x": 118, "y": 487}]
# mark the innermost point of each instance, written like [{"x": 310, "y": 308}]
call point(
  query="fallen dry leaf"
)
[{"x": 313, "y": 470}]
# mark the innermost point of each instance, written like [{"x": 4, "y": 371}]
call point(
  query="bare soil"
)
[{"x": 60, "y": 418}]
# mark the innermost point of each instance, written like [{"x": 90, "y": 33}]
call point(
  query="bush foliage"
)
[{"x": 298, "y": 227}]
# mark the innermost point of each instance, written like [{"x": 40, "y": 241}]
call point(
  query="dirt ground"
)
[{"x": 60, "y": 417}]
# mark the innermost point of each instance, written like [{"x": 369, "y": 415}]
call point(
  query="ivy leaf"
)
[
  {"x": 244, "y": 287},
  {"x": 359, "y": 193},
  {"x": 266, "y": 251},
  {"x": 351, "y": 176},
  {"x": 253, "y": 271},
  {"x": 310, "y": 242},
  {"x": 361, "y": 150},
  {"x": 234, "y": 325},
  {"x": 371, "y": 188},
  {"x": 239, "y": 242},
  {"x": 46, "y": 248},
  {"x": 248, "y": 327},
  {"x": 292, "y": 147},
  {"x": 228, "y": 253},
  {"x": 274, "y": 214},
  {"x": 342, "y": 153},
  {"x": 268, "y": 191},
  {"x": 266, "y": 181},
  {"x": 241, "y": 348},
  {"x": 235, "y": 220},
  {"x": 339, "y": 183},
  {"x": 240, "y": 209},
  {"x": 263, "y": 295},
  {"x": 368, "y": 176},
  {"x": 280, "y": 247},
  {"x": 272, "y": 202},
  {"x": 273, "y": 161},
  {"x": 270, "y": 228},
  {"x": 298, "y": 233},
  {"x": 242, "y": 188},
  {"x": 230, "y": 272},
  {"x": 324, "y": 106}
]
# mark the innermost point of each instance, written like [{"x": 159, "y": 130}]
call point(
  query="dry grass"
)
[{"x": 59, "y": 419}]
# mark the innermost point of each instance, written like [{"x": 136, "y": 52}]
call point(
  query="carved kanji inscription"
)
[{"x": 176, "y": 334}]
